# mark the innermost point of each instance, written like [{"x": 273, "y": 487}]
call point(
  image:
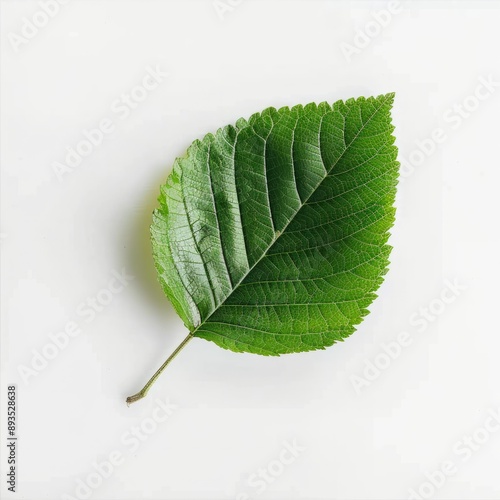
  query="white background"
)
[{"x": 61, "y": 242}]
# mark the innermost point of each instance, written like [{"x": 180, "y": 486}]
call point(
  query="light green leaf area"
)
[{"x": 271, "y": 235}]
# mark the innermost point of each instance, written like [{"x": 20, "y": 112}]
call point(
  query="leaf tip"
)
[{"x": 390, "y": 97}]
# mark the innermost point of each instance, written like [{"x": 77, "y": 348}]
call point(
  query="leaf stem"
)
[{"x": 152, "y": 380}]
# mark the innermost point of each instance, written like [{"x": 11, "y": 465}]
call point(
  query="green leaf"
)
[{"x": 271, "y": 234}]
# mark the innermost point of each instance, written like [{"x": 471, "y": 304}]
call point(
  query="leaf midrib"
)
[{"x": 303, "y": 203}]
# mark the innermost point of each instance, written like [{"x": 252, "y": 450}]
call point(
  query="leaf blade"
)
[{"x": 254, "y": 273}]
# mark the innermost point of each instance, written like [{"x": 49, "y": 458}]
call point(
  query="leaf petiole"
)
[{"x": 152, "y": 380}]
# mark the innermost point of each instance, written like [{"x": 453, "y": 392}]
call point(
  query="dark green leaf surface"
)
[{"x": 271, "y": 234}]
